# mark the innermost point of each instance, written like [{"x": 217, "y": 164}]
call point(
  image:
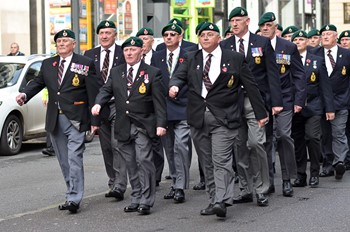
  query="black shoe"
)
[
  {"x": 144, "y": 209},
  {"x": 48, "y": 151},
  {"x": 261, "y": 199},
  {"x": 347, "y": 166},
  {"x": 287, "y": 188},
  {"x": 199, "y": 186},
  {"x": 243, "y": 199},
  {"x": 313, "y": 182},
  {"x": 220, "y": 209},
  {"x": 63, "y": 206},
  {"x": 115, "y": 193},
  {"x": 131, "y": 208},
  {"x": 236, "y": 179},
  {"x": 168, "y": 177},
  {"x": 270, "y": 190},
  {"x": 72, "y": 207},
  {"x": 300, "y": 182},
  {"x": 179, "y": 196},
  {"x": 208, "y": 211},
  {"x": 171, "y": 194},
  {"x": 157, "y": 183},
  {"x": 339, "y": 171},
  {"x": 325, "y": 173}
]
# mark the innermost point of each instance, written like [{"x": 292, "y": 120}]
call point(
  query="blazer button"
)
[
  {"x": 127, "y": 102},
  {"x": 58, "y": 93},
  {"x": 127, "y": 112}
]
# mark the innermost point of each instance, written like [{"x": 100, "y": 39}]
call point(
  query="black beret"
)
[
  {"x": 288, "y": 30},
  {"x": 199, "y": 26},
  {"x": 299, "y": 33},
  {"x": 176, "y": 21},
  {"x": 328, "y": 27},
  {"x": 64, "y": 33},
  {"x": 144, "y": 31},
  {"x": 105, "y": 24},
  {"x": 133, "y": 41},
  {"x": 238, "y": 12},
  {"x": 267, "y": 17},
  {"x": 207, "y": 26},
  {"x": 172, "y": 27},
  {"x": 313, "y": 32}
]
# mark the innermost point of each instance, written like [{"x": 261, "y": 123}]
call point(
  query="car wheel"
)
[
  {"x": 89, "y": 136},
  {"x": 11, "y": 136}
]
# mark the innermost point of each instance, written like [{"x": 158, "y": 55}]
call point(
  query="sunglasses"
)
[{"x": 172, "y": 34}]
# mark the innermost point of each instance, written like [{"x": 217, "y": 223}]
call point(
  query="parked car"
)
[{"x": 20, "y": 123}]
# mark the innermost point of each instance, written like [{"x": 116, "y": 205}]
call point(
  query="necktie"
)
[
  {"x": 105, "y": 66},
  {"x": 331, "y": 59},
  {"x": 130, "y": 79},
  {"x": 241, "y": 46},
  {"x": 302, "y": 60},
  {"x": 60, "y": 72},
  {"x": 206, "y": 80},
  {"x": 170, "y": 61},
  {"x": 143, "y": 57}
]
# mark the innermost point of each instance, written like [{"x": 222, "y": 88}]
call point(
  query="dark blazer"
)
[
  {"x": 18, "y": 54},
  {"x": 146, "y": 109},
  {"x": 339, "y": 77},
  {"x": 176, "y": 108},
  {"x": 263, "y": 67},
  {"x": 95, "y": 55},
  {"x": 292, "y": 74},
  {"x": 319, "y": 90},
  {"x": 222, "y": 99},
  {"x": 184, "y": 44},
  {"x": 75, "y": 96}
]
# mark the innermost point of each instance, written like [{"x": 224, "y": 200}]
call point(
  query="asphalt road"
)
[{"x": 32, "y": 186}]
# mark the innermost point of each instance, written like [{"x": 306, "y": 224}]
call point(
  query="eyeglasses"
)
[{"x": 172, "y": 34}]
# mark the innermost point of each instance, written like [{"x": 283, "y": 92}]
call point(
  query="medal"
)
[
  {"x": 142, "y": 88},
  {"x": 230, "y": 82},
  {"x": 75, "y": 81},
  {"x": 283, "y": 69},
  {"x": 343, "y": 71},
  {"x": 257, "y": 60},
  {"x": 313, "y": 77}
]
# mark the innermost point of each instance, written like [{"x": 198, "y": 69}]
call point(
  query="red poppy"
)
[
  {"x": 54, "y": 63},
  {"x": 181, "y": 60},
  {"x": 142, "y": 72},
  {"x": 308, "y": 61},
  {"x": 224, "y": 69}
]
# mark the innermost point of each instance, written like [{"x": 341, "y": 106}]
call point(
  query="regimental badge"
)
[
  {"x": 257, "y": 60},
  {"x": 75, "y": 81},
  {"x": 242, "y": 12},
  {"x": 301, "y": 33},
  {"x": 343, "y": 71},
  {"x": 313, "y": 77},
  {"x": 211, "y": 27},
  {"x": 107, "y": 24},
  {"x": 174, "y": 22},
  {"x": 132, "y": 42},
  {"x": 173, "y": 27},
  {"x": 64, "y": 33},
  {"x": 346, "y": 34},
  {"x": 290, "y": 30},
  {"x": 283, "y": 69},
  {"x": 142, "y": 88},
  {"x": 145, "y": 32},
  {"x": 230, "y": 82},
  {"x": 327, "y": 27}
]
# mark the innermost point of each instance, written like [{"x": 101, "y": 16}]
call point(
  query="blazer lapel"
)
[
  {"x": 69, "y": 74},
  {"x": 199, "y": 71},
  {"x": 138, "y": 78}
]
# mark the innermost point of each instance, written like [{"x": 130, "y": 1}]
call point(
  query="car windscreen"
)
[{"x": 9, "y": 73}]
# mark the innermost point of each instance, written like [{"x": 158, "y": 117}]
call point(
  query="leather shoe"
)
[
  {"x": 115, "y": 193},
  {"x": 325, "y": 173},
  {"x": 313, "y": 182},
  {"x": 339, "y": 170},
  {"x": 73, "y": 207},
  {"x": 287, "y": 188},
  {"x": 300, "y": 182},
  {"x": 179, "y": 196},
  {"x": 347, "y": 166},
  {"x": 199, "y": 186},
  {"x": 219, "y": 209},
  {"x": 63, "y": 206},
  {"x": 48, "y": 151},
  {"x": 243, "y": 199},
  {"x": 131, "y": 208},
  {"x": 261, "y": 199},
  {"x": 208, "y": 211},
  {"x": 144, "y": 209},
  {"x": 171, "y": 194}
]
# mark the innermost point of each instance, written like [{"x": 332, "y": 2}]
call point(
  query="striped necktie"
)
[
  {"x": 170, "y": 61},
  {"x": 331, "y": 58},
  {"x": 130, "y": 78},
  {"x": 206, "y": 80},
  {"x": 105, "y": 66},
  {"x": 60, "y": 72},
  {"x": 241, "y": 46}
]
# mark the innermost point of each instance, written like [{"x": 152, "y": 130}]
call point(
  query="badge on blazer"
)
[
  {"x": 257, "y": 60},
  {"x": 230, "y": 82},
  {"x": 283, "y": 69},
  {"x": 75, "y": 81},
  {"x": 313, "y": 77},
  {"x": 142, "y": 88},
  {"x": 343, "y": 71}
]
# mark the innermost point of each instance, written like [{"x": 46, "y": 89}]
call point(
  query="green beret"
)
[
  {"x": 199, "y": 26},
  {"x": 279, "y": 27},
  {"x": 313, "y": 32},
  {"x": 344, "y": 34},
  {"x": 328, "y": 27},
  {"x": 144, "y": 31},
  {"x": 238, "y": 12},
  {"x": 133, "y": 41},
  {"x": 299, "y": 33},
  {"x": 289, "y": 30},
  {"x": 172, "y": 27},
  {"x": 228, "y": 30},
  {"x": 105, "y": 24},
  {"x": 64, "y": 33},
  {"x": 207, "y": 26},
  {"x": 267, "y": 17},
  {"x": 176, "y": 21}
]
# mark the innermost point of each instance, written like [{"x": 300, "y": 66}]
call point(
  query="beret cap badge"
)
[
  {"x": 211, "y": 26},
  {"x": 327, "y": 27},
  {"x": 301, "y": 33},
  {"x": 64, "y": 33},
  {"x": 132, "y": 42},
  {"x": 145, "y": 32},
  {"x": 242, "y": 12},
  {"x": 346, "y": 33},
  {"x": 173, "y": 27},
  {"x": 107, "y": 24}
]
